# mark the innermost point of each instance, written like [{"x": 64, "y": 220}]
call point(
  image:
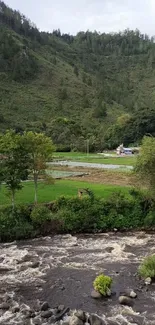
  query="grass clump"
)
[
  {"x": 147, "y": 267},
  {"x": 102, "y": 284}
]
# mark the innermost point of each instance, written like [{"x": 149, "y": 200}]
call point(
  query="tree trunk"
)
[
  {"x": 13, "y": 200},
  {"x": 35, "y": 188}
]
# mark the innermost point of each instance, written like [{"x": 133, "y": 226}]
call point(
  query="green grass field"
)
[
  {"x": 95, "y": 158},
  {"x": 47, "y": 193}
]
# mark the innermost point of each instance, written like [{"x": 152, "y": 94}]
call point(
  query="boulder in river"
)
[
  {"x": 133, "y": 294},
  {"x": 96, "y": 320},
  {"x": 46, "y": 314},
  {"x": 129, "y": 293},
  {"x": 148, "y": 281},
  {"x": 15, "y": 309},
  {"x": 45, "y": 306},
  {"x": 74, "y": 320},
  {"x": 81, "y": 315},
  {"x": 124, "y": 300},
  {"x": 95, "y": 294},
  {"x": 61, "y": 308}
]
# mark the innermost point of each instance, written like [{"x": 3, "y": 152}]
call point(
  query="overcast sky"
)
[{"x": 72, "y": 16}]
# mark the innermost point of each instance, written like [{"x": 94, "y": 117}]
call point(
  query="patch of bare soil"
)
[{"x": 101, "y": 176}]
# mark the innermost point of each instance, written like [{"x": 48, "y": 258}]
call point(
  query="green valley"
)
[{"x": 92, "y": 86}]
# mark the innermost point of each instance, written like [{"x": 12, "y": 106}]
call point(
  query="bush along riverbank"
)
[{"x": 76, "y": 215}]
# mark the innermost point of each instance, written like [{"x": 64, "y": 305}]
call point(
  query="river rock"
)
[
  {"x": 148, "y": 281},
  {"x": 61, "y": 308},
  {"x": 46, "y": 314},
  {"x": 109, "y": 249},
  {"x": 133, "y": 294},
  {"x": 109, "y": 293},
  {"x": 15, "y": 309},
  {"x": 62, "y": 314},
  {"x": 81, "y": 315},
  {"x": 37, "y": 321},
  {"x": 124, "y": 300},
  {"x": 96, "y": 320},
  {"x": 35, "y": 264},
  {"x": 95, "y": 294},
  {"x": 75, "y": 321},
  {"x": 45, "y": 306}
]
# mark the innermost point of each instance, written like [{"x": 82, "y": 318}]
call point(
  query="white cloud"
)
[{"x": 101, "y": 15}]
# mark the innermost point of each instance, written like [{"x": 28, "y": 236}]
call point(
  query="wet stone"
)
[
  {"x": 15, "y": 309},
  {"x": 37, "y": 321},
  {"x": 75, "y": 321},
  {"x": 133, "y": 294},
  {"x": 109, "y": 249},
  {"x": 96, "y": 320},
  {"x": 59, "y": 316},
  {"x": 124, "y": 300},
  {"x": 148, "y": 281},
  {"x": 45, "y": 306},
  {"x": 61, "y": 308},
  {"x": 96, "y": 295},
  {"x": 35, "y": 264},
  {"x": 46, "y": 314},
  {"x": 81, "y": 315}
]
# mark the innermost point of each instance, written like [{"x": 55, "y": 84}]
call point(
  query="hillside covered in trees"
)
[{"x": 92, "y": 86}]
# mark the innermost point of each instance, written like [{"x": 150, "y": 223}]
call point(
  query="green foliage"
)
[
  {"x": 102, "y": 284},
  {"x": 77, "y": 215},
  {"x": 14, "y": 162},
  {"x": 101, "y": 84},
  {"x": 40, "y": 214},
  {"x": 149, "y": 221},
  {"x": 14, "y": 225},
  {"x": 147, "y": 267},
  {"x": 117, "y": 211},
  {"x": 145, "y": 165},
  {"x": 39, "y": 148}
]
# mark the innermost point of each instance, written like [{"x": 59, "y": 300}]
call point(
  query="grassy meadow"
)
[{"x": 47, "y": 193}]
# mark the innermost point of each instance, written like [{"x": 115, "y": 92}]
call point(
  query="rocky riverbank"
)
[{"x": 49, "y": 280}]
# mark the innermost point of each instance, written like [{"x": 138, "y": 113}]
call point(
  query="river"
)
[{"x": 61, "y": 270}]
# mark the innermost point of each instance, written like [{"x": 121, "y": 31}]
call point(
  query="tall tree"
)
[
  {"x": 40, "y": 149},
  {"x": 145, "y": 166},
  {"x": 13, "y": 162}
]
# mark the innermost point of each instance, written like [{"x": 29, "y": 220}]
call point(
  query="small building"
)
[{"x": 124, "y": 151}]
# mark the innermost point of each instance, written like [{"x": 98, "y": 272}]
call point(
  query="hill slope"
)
[{"x": 96, "y": 86}]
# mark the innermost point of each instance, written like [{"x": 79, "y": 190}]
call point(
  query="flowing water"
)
[{"x": 61, "y": 270}]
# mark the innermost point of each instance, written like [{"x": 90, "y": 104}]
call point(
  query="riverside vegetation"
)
[
  {"x": 26, "y": 154},
  {"x": 89, "y": 86},
  {"x": 98, "y": 87}
]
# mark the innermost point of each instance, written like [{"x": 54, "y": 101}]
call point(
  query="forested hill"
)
[{"x": 92, "y": 86}]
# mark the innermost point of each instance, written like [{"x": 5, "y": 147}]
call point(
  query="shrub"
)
[
  {"x": 13, "y": 225},
  {"x": 147, "y": 267},
  {"x": 102, "y": 284},
  {"x": 40, "y": 214},
  {"x": 149, "y": 220}
]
